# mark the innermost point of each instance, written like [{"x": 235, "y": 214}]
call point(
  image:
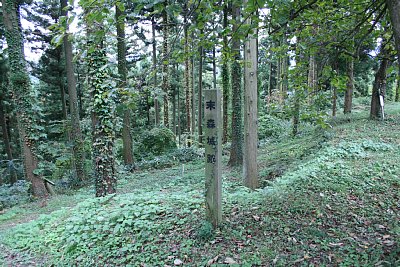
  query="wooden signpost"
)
[{"x": 213, "y": 155}]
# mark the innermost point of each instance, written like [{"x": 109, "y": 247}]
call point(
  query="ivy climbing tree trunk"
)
[
  {"x": 165, "y": 63},
  {"x": 103, "y": 105},
  {"x": 20, "y": 86},
  {"x": 123, "y": 73},
  {"x": 6, "y": 140},
  {"x": 236, "y": 156},
  {"x": 76, "y": 133}
]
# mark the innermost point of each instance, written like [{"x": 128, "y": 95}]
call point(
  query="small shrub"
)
[
  {"x": 155, "y": 142},
  {"x": 180, "y": 155},
  {"x": 205, "y": 231},
  {"x": 11, "y": 195},
  {"x": 271, "y": 126}
]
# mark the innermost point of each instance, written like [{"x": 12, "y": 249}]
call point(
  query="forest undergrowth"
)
[{"x": 329, "y": 198}]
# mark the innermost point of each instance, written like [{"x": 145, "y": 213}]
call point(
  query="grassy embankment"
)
[{"x": 331, "y": 198}]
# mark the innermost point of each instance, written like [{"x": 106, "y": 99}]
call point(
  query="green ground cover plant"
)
[{"x": 330, "y": 198}]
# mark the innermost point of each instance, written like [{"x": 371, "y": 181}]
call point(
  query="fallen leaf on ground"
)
[
  {"x": 229, "y": 260},
  {"x": 178, "y": 262},
  {"x": 213, "y": 260}
]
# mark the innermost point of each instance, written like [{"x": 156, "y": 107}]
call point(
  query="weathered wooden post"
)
[{"x": 213, "y": 156}]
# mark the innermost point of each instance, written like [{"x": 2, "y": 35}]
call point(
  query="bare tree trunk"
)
[
  {"x": 250, "y": 171},
  {"x": 123, "y": 73},
  {"x": 348, "y": 97},
  {"x": 225, "y": 78},
  {"x": 193, "y": 99},
  {"x": 156, "y": 102},
  {"x": 166, "y": 82},
  {"x": 334, "y": 93},
  {"x": 379, "y": 88},
  {"x": 296, "y": 113},
  {"x": 200, "y": 94},
  {"x": 214, "y": 70},
  {"x": 20, "y": 84},
  {"x": 236, "y": 156},
  {"x": 312, "y": 76},
  {"x": 279, "y": 78},
  {"x": 397, "y": 97},
  {"x": 188, "y": 101},
  {"x": 394, "y": 13},
  {"x": 76, "y": 133}
]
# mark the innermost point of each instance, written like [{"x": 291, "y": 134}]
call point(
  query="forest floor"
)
[{"x": 329, "y": 198}]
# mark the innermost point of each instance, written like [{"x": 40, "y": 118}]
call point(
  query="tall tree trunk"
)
[
  {"x": 179, "y": 130},
  {"x": 397, "y": 96},
  {"x": 193, "y": 99},
  {"x": 63, "y": 100},
  {"x": 225, "y": 77},
  {"x": 20, "y": 85},
  {"x": 348, "y": 97},
  {"x": 200, "y": 93},
  {"x": 279, "y": 78},
  {"x": 236, "y": 156},
  {"x": 270, "y": 80},
  {"x": 284, "y": 70},
  {"x": 250, "y": 171},
  {"x": 76, "y": 133},
  {"x": 214, "y": 70},
  {"x": 123, "y": 73},
  {"x": 103, "y": 110},
  {"x": 61, "y": 83},
  {"x": 6, "y": 140},
  {"x": 312, "y": 75},
  {"x": 379, "y": 87},
  {"x": 154, "y": 45},
  {"x": 187, "y": 73},
  {"x": 296, "y": 113},
  {"x": 394, "y": 13},
  {"x": 334, "y": 93},
  {"x": 165, "y": 82}
]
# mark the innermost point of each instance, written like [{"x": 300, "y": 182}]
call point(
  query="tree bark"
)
[
  {"x": 166, "y": 82},
  {"x": 397, "y": 96},
  {"x": 236, "y": 156},
  {"x": 156, "y": 102},
  {"x": 193, "y": 98},
  {"x": 250, "y": 171},
  {"x": 6, "y": 140},
  {"x": 225, "y": 78},
  {"x": 334, "y": 93},
  {"x": 20, "y": 86},
  {"x": 76, "y": 133},
  {"x": 348, "y": 97},
  {"x": 187, "y": 73},
  {"x": 379, "y": 88},
  {"x": 394, "y": 13},
  {"x": 123, "y": 73},
  {"x": 200, "y": 93}
]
